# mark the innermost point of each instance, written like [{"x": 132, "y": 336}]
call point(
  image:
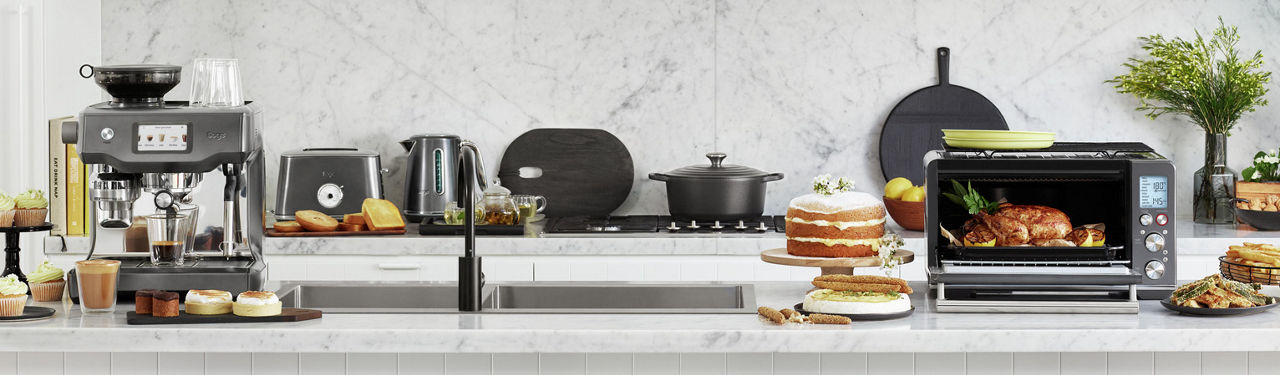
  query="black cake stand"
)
[{"x": 11, "y": 249}]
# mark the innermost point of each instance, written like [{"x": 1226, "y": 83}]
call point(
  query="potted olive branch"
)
[{"x": 1207, "y": 82}]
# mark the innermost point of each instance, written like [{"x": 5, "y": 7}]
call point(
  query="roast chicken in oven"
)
[
  {"x": 1005, "y": 224},
  {"x": 1020, "y": 225}
]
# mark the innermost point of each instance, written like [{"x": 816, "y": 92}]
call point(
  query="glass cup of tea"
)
[
  {"x": 454, "y": 215},
  {"x": 216, "y": 83},
  {"x": 168, "y": 235},
  {"x": 529, "y": 205},
  {"x": 96, "y": 282}
]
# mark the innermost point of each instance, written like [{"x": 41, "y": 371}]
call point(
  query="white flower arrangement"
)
[
  {"x": 1265, "y": 168},
  {"x": 889, "y": 245}
]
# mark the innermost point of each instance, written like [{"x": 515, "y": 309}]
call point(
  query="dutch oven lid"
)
[{"x": 717, "y": 170}]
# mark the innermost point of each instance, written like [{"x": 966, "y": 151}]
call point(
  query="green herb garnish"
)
[{"x": 970, "y": 199}]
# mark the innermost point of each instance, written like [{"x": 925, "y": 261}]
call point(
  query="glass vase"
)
[{"x": 1215, "y": 183}]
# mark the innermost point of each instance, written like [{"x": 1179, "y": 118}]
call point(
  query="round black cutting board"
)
[
  {"x": 914, "y": 127},
  {"x": 584, "y": 172}
]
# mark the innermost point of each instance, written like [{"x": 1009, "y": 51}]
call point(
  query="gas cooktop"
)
[{"x": 639, "y": 224}]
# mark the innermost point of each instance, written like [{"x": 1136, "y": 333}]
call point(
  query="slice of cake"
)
[{"x": 840, "y": 224}]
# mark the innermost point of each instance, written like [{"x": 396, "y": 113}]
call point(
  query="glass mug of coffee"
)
[
  {"x": 96, "y": 281},
  {"x": 168, "y": 234},
  {"x": 529, "y": 205}
]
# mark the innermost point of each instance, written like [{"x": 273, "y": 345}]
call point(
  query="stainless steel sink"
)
[{"x": 523, "y": 298}]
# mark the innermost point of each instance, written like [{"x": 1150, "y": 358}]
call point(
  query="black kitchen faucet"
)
[{"x": 470, "y": 275}]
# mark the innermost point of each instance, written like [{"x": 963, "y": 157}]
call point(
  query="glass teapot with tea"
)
[{"x": 499, "y": 208}]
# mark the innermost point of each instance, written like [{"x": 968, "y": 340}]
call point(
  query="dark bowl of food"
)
[
  {"x": 1262, "y": 220},
  {"x": 139, "y": 84}
]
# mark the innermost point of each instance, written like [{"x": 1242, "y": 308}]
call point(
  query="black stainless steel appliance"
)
[
  {"x": 150, "y": 157},
  {"x": 1126, "y": 186},
  {"x": 432, "y": 180},
  {"x": 716, "y": 191},
  {"x": 334, "y": 181}
]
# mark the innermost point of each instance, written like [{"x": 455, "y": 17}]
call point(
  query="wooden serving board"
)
[
  {"x": 830, "y": 266},
  {"x": 584, "y": 172},
  {"x": 272, "y": 232},
  {"x": 287, "y": 314}
]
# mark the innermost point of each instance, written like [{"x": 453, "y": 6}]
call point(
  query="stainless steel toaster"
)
[{"x": 334, "y": 181}]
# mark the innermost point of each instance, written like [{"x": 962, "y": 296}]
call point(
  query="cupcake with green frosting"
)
[
  {"x": 32, "y": 208},
  {"x": 46, "y": 283},
  {"x": 6, "y": 210},
  {"x": 13, "y": 296}
]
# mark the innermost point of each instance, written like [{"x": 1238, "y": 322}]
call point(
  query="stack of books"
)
[{"x": 69, "y": 203}]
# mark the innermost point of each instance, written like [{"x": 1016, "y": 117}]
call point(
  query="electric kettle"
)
[{"x": 433, "y": 179}]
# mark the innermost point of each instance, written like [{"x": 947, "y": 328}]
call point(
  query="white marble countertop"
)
[
  {"x": 1193, "y": 239},
  {"x": 1154, "y": 329}
]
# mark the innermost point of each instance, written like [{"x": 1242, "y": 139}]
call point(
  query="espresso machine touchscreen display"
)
[
  {"x": 162, "y": 137},
  {"x": 200, "y": 196}
]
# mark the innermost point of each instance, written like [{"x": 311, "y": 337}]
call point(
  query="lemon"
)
[
  {"x": 984, "y": 244},
  {"x": 913, "y": 194},
  {"x": 895, "y": 187}
]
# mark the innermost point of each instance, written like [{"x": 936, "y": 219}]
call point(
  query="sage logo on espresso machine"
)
[{"x": 217, "y": 136}]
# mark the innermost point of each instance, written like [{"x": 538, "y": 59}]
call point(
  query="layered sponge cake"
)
[{"x": 844, "y": 224}]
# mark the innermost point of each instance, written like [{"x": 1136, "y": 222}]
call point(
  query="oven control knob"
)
[
  {"x": 1145, "y": 219},
  {"x": 1155, "y": 270},
  {"x": 1162, "y": 219},
  {"x": 1155, "y": 242}
]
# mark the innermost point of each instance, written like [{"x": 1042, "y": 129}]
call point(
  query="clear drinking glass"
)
[
  {"x": 216, "y": 83},
  {"x": 168, "y": 235},
  {"x": 96, "y": 281},
  {"x": 192, "y": 212}
]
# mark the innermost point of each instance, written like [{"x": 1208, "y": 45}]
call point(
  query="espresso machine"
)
[{"x": 148, "y": 155}]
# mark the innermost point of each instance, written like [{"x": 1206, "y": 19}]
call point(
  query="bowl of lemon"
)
[{"x": 905, "y": 203}]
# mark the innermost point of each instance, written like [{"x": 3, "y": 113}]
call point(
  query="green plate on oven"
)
[
  {"x": 1010, "y": 135},
  {"x": 990, "y": 144}
]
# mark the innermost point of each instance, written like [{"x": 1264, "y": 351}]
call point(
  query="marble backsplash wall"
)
[{"x": 792, "y": 86}]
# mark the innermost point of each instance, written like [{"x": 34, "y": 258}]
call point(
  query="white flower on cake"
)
[{"x": 822, "y": 184}]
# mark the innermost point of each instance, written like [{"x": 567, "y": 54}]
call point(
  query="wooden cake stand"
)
[{"x": 830, "y": 266}]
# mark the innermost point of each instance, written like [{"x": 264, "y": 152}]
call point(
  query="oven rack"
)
[
  {"x": 1037, "y": 263},
  {"x": 1031, "y": 253}
]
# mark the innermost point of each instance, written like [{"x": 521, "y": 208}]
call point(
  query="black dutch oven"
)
[{"x": 717, "y": 191}]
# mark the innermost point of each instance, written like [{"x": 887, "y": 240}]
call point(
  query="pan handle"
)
[
  {"x": 659, "y": 177},
  {"x": 773, "y": 177},
  {"x": 944, "y": 66}
]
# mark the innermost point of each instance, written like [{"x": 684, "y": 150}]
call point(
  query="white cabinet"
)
[{"x": 540, "y": 268}]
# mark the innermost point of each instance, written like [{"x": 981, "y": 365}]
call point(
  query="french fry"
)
[{"x": 1258, "y": 256}]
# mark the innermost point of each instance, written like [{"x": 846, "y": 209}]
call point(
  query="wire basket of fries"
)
[{"x": 1251, "y": 263}]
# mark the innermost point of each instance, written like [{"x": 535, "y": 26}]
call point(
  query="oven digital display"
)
[
  {"x": 162, "y": 137},
  {"x": 1153, "y": 191}
]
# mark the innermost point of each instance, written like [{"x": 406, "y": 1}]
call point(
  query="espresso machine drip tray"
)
[
  {"x": 197, "y": 265},
  {"x": 233, "y": 274}
]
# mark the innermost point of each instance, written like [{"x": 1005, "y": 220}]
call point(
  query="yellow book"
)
[
  {"x": 75, "y": 193},
  {"x": 57, "y": 177}
]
